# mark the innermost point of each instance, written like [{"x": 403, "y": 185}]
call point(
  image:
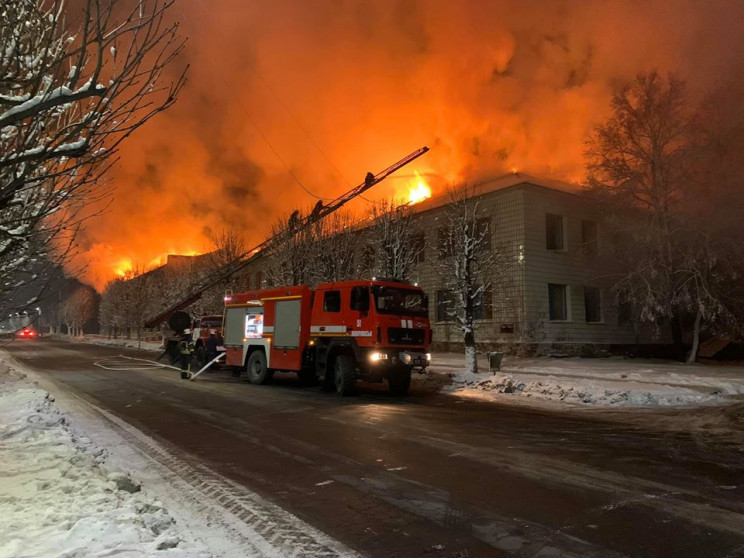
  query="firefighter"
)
[{"x": 186, "y": 349}]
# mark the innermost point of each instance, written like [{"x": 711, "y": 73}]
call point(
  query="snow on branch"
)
[{"x": 73, "y": 86}]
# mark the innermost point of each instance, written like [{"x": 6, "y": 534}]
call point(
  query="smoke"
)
[{"x": 327, "y": 90}]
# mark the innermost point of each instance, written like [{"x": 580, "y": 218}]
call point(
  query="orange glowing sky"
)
[{"x": 334, "y": 89}]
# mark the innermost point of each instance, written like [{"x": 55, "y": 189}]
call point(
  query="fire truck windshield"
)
[{"x": 400, "y": 302}]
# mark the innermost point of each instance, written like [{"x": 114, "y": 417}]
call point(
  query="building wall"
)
[
  {"x": 571, "y": 266},
  {"x": 505, "y": 210},
  {"x": 521, "y": 309}
]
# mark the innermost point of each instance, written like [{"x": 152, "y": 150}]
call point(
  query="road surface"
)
[{"x": 432, "y": 474}]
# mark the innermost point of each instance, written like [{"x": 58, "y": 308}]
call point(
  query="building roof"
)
[{"x": 500, "y": 183}]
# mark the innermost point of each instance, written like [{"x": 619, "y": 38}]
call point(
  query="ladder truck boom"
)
[{"x": 319, "y": 212}]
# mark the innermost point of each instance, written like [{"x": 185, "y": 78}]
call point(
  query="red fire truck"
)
[{"x": 340, "y": 332}]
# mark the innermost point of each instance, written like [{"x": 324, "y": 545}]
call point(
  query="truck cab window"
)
[
  {"x": 359, "y": 299},
  {"x": 332, "y": 301},
  {"x": 400, "y": 302}
]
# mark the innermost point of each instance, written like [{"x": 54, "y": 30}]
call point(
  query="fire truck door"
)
[{"x": 287, "y": 324}]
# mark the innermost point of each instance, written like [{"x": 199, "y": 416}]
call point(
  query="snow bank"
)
[
  {"x": 59, "y": 498},
  {"x": 587, "y": 393},
  {"x": 603, "y": 382}
]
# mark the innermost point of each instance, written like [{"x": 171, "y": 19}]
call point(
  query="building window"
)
[
  {"x": 558, "y": 302},
  {"x": 554, "y": 232},
  {"x": 592, "y": 305},
  {"x": 483, "y": 231},
  {"x": 483, "y": 306},
  {"x": 444, "y": 243},
  {"x": 418, "y": 247},
  {"x": 332, "y": 301},
  {"x": 445, "y": 305},
  {"x": 589, "y": 237}
]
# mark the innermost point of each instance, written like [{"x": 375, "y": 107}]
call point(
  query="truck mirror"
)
[{"x": 360, "y": 299}]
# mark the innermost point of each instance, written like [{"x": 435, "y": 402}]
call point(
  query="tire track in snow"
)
[{"x": 263, "y": 528}]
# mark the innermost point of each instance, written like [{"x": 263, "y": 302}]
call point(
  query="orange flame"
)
[
  {"x": 123, "y": 268},
  {"x": 419, "y": 191}
]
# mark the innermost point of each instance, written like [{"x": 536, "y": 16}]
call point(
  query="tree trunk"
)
[
  {"x": 471, "y": 362},
  {"x": 695, "y": 337}
]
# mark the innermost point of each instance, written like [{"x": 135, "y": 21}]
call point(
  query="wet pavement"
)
[{"x": 434, "y": 474}]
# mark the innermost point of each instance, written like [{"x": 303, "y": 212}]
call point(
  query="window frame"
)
[
  {"x": 485, "y": 306},
  {"x": 600, "y": 313},
  {"x": 444, "y": 297},
  {"x": 418, "y": 242},
  {"x": 326, "y": 299},
  {"x": 551, "y": 229},
  {"x": 566, "y": 303}
]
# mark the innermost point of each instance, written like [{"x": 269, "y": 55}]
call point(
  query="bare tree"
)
[
  {"x": 77, "y": 309},
  {"x": 334, "y": 253},
  {"x": 393, "y": 232},
  {"x": 470, "y": 265},
  {"x": 73, "y": 86},
  {"x": 228, "y": 246},
  {"x": 292, "y": 256}
]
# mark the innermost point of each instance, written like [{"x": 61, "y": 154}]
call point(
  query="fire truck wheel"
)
[
  {"x": 256, "y": 368},
  {"x": 345, "y": 375},
  {"x": 399, "y": 381}
]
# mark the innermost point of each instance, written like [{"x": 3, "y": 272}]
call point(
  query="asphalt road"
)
[{"x": 437, "y": 475}]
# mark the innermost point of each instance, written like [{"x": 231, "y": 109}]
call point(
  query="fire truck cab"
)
[{"x": 339, "y": 332}]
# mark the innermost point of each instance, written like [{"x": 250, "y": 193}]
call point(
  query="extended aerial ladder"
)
[{"x": 296, "y": 225}]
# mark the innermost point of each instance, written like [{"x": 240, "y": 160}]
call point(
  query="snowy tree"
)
[
  {"x": 471, "y": 266},
  {"x": 393, "y": 235},
  {"x": 649, "y": 168},
  {"x": 74, "y": 85}
]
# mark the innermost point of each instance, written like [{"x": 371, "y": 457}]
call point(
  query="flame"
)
[
  {"x": 123, "y": 268},
  {"x": 491, "y": 87},
  {"x": 419, "y": 191}
]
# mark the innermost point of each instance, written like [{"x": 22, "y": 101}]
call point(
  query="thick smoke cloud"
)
[{"x": 331, "y": 89}]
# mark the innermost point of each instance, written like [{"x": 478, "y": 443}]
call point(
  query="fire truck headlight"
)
[
  {"x": 428, "y": 357},
  {"x": 376, "y": 357}
]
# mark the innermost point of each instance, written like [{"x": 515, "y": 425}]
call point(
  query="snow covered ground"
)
[
  {"x": 76, "y": 482},
  {"x": 60, "y": 497},
  {"x": 594, "y": 382}
]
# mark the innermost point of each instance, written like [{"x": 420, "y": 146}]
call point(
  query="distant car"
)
[{"x": 27, "y": 333}]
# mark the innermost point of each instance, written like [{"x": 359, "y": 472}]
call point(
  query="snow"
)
[
  {"x": 73, "y": 484},
  {"x": 58, "y": 497},
  {"x": 601, "y": 382}
]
